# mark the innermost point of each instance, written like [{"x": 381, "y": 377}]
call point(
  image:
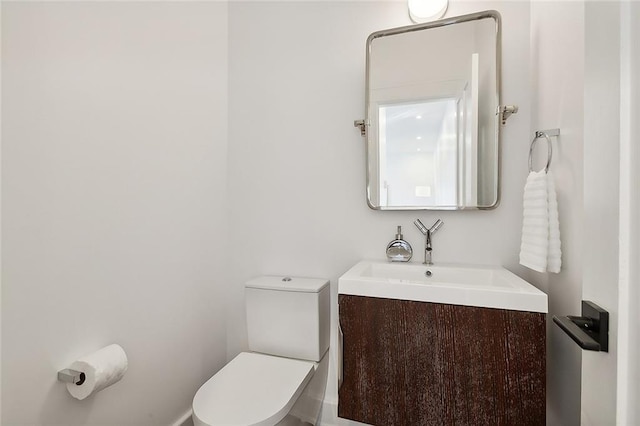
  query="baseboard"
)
[{"x": 185, "y": 419}]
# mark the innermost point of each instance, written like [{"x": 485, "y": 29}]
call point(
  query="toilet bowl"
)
[{"x": 282, "y": 381}]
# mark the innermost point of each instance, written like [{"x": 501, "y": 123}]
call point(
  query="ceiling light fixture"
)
[{"x": 427, "y": 10}]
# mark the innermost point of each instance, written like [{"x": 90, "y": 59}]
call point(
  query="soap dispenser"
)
[{"x": 399, "y": 250}]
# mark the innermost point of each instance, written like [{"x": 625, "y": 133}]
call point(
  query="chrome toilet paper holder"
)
[{"x": 71, "y": 376}]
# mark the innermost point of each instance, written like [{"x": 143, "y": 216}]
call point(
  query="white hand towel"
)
[
  {"x": 554, "y": 255},
  {"x": 540, "y": 248}
]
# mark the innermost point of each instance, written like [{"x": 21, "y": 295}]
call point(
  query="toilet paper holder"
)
[{"x": 71, "y": 376}]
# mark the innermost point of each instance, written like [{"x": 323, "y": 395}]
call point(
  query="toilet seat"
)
[{"x": 252, "y": 390}]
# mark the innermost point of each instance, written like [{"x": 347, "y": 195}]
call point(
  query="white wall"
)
[
  {"x": 114, "y": 192},
  {"x": 557, "y": 61},
  {"x": 628, "y": 386},
  {"x": 0, "y": 230},
  {"x": 296, "y": 163},
  {"x": 601, "y": 201}
]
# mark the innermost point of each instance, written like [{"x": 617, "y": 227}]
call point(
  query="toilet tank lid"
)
[{"x": 306, "y": 285}]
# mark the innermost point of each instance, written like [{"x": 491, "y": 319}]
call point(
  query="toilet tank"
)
[{"x": 288, "y": 317}]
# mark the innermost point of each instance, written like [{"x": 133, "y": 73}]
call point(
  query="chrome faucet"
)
[{"x": 428, "y": 232}]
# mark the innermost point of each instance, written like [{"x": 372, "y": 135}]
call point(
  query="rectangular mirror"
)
[{"x": 432, "y": 115}]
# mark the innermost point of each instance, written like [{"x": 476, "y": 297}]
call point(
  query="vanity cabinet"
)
[{"x": 420, "y": 363}]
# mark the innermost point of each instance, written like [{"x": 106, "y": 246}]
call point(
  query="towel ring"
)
[{"x": 541, "y": 134}]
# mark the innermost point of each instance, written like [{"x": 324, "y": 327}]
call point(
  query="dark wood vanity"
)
[{"x": 419, "y": 363}]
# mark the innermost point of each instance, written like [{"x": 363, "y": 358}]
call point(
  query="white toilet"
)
[{"x": 282, "y": 381}]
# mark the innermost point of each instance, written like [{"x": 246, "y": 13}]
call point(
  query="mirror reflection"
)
[{"x": 432, "y": 128}]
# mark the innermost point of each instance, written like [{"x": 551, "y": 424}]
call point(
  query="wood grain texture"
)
[{"x": 418, "y": 363}]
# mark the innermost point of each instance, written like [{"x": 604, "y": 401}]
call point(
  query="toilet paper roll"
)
[{"x": 101, "y": 369}]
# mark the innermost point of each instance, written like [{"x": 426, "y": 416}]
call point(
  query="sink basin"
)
[{"x": 481, "y": 286}]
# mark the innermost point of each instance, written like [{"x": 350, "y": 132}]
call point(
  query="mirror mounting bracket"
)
[
  {"x": 362, "y": 125},
  {"x": 505, "y": 112}
]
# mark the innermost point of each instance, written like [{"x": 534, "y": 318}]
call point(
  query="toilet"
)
[{"x": 282, "y": 380}]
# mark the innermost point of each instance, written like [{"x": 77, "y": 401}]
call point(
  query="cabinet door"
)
[{"x": 416, "y": 363}]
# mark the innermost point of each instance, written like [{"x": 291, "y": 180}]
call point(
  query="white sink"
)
[{"x": 482, "y": 286}]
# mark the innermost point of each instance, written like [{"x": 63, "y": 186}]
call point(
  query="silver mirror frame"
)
[{"x": 499, "y": 113}]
